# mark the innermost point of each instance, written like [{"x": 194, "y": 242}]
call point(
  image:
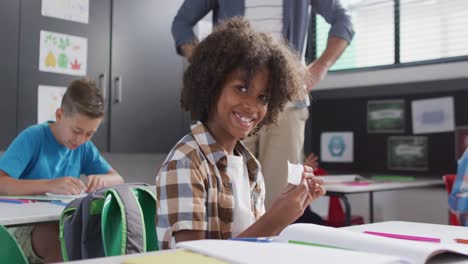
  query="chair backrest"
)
[
  {"x": 449, "y": 179},
  {"x": 9, "y": 249},
  {"x": 335, "y": 209}
]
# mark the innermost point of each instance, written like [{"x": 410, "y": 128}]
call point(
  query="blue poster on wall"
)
[{"x": 337, "y": 147}]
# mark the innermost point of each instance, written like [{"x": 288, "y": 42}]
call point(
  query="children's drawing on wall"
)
[
  {"x": 433, "y": 115},
  {"x": 407, "y": 153},
  {"x": 384, "y": 116},
  {"x": 73, "y": 10},
  {"x": 49, "y": 99},
  {"x": 337, "y": 147},
  {"x": 62, "y": 53},
  {"x": 461, "y": 141}
]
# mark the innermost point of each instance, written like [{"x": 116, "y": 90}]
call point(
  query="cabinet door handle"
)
[
  {"x": 118, "y": 89},
  {"x": 102, "y": 85}
]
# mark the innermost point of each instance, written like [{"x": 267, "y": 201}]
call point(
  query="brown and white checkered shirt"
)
[{"x": 194, "y": 191}]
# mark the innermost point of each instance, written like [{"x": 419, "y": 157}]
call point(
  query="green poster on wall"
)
[
  {"x": 407, "y": 153},
  {"x": 385, "y": 116}
]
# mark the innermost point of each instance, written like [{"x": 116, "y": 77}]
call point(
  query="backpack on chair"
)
[{"x": 110, "y": 221}]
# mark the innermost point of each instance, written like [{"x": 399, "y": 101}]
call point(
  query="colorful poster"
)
[
  {"x": 49, "y": 99},
  {"x": 407, "y": 153},
  {"x": 61, "y": 53},
  {"x": 73, "y": 10},
  {"x": 461, "y": 141},
  {"x": 386, "y": 116},
  {"x": 337, "y": 147},
  {"x": 433, "y": 115}
]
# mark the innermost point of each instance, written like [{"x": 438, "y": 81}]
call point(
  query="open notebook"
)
[
  {"x": 234, "y": 251},
  {"x": 325, "y": 245},
  {"x": 409, "y": 251}
]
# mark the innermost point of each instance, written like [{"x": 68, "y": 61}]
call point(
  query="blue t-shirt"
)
[
  {"x": 458, "y": 199},
  {"x": 36, "y": 154}
]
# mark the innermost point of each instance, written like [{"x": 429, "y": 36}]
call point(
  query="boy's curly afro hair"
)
[{"x": 235, "y": 45}]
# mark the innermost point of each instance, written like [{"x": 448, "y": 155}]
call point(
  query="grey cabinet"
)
[
  {"x": 9, "y": 28},
  {"x": 130, "y": 55},
  {"x": 146, "y": 78},
  {"x": 97, "y": 33}
]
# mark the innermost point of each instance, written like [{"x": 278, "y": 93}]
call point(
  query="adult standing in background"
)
[{"x": 282, "y": 18}]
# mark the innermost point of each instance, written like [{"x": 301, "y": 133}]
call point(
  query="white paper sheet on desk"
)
[
  {"x": 295, "y": 173},
  {"x": 65, "y": 196}
]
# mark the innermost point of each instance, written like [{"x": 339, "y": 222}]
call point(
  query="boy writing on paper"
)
[
  {"x": 211, "y": 186},
  {"x": 458, "y": 199},
  {"x": 50, "y": 157}
]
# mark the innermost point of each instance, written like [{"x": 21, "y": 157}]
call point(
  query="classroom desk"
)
[
  {"x": 445, "y": 232},
  {"x": 341, "y": 190},
  {"x": 29, "y": 213},
  {"x": 117, "y": 259}
]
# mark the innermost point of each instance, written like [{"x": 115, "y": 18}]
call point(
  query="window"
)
[
  {"x": 392, "y": 32},
  {"x": 433, "y": 29}
]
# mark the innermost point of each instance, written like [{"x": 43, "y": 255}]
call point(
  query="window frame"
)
[{"x": 311, "y": 48}]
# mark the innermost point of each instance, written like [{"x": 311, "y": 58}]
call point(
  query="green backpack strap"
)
[
  {"x": 147, "y": 201},
  {"x": 122, "y": 223},
  {"x": 128, "y": 220}
]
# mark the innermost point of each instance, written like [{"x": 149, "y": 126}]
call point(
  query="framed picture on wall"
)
[
  {"x": 337, "y": 146},
  {"x": 407, "y": 153},
  {"x": 386, "y": 116}
]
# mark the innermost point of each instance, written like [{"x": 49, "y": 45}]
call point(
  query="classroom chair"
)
[
  {"x": 336, "y": 215},
  {"x": 9, "y": 249},
  {"x": 449, "y": 179}
]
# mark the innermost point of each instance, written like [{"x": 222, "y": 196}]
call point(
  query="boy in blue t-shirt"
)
[{"x": 50, "y": 157}]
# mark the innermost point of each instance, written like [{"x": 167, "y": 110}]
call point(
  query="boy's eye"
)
[
  {"x": 242, "y": 89},
  {"x": 264, "y": 99}
]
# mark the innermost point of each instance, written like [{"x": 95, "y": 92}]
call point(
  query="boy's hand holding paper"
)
[{"x": 296, "y": 172}]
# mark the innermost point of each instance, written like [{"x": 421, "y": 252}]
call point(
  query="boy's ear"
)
[{"x": 59, "y": 114}]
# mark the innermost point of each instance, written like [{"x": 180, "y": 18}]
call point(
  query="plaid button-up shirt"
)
[{"x": 194, "y": 191}]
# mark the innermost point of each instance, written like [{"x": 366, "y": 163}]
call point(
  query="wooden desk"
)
[
  {"x": 29, "y": 213},
  {"x": 341, "y": 190}
]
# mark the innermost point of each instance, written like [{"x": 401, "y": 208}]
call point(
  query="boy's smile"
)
[
  {"x": 246, "y": 121},
  {"x": 241, "y": 106}
]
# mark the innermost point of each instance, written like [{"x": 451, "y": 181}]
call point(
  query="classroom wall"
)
[
  {"x": 136, "y": 167},
  {"x": 419, "y": 205}
]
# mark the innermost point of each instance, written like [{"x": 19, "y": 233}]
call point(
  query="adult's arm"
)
[
  {"x": 339, "y": 37},
  {"x": 186, "y": 18}
]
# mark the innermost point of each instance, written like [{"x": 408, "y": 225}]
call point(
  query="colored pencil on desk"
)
[
  {"x": 253, "y": 239},
  {"x": 461, "y": 240},
  {"x": 406, "y": 237},
  {"x": 13, "y": 201}
]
